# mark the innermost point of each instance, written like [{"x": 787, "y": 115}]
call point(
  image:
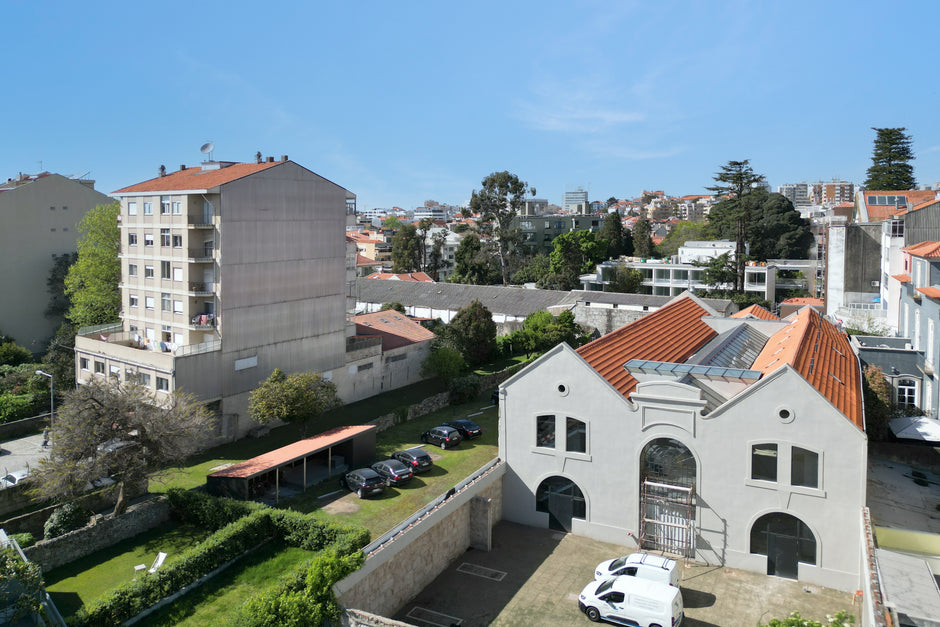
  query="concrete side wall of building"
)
[
  {"x": 606, "y": 319},
  {"x": 434, "y": 542},
  {"x": 38, "y": 219},
  {"x": 727, "y": 501},
  {"x": 835, "y": 269},
  {"x": 863, "y": 257}
]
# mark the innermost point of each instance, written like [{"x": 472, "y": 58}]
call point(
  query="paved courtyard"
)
[
  {"x": 533, "y": 577},
  {"x": 21, "y": 453}
]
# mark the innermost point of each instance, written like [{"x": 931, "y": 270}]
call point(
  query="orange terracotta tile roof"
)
[
  {"x": 926, "y": 250},
  {"x": 421, "y": 277},
  {"x": 926, "y": 203},
  {"x": 757, "y": 312},
  {"x": 395, "y": 329},
  {"x": 880, "y": 213},
  {"x": 930, "y": 292},
  {"x": 903, "y": 278},
  {"x": 292, "y": 452},
  {"x": 197, "y": 178},
  {"x": 672, "y": 333},
  {"x": 822, "y": 355},
  {"x": 804, "y": 300},
  {"x": 362, "y": 260}
]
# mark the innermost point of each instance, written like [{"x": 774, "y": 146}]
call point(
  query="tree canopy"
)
[
  {"x": 473, "y": 333},
  {"x": 295, "y": 398},
  {"x": 573, "y": 254},
  {"x": 498, "y": 201},
  {"x": 642, "y": 238},
  {"x": 890, "y": 168},
  {"x": 736, "y": 180},
  {"x": 105, "y": 429},
  {"x": 92, "y": 281},
  {"x": 625, "y": 280},
  {"x": 681, "y": 233},
  {"x": 773, "y": 229},
  {"x": 406, "y": 249},
  {"x": 618, "y": 242},
  {"x": 473, "y": 264}
]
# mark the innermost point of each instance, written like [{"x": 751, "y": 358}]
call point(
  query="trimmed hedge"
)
[{"x": 254, "y": 524}]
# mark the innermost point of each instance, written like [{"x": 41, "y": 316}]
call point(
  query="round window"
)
[
  {"x": 785, "y": 414},
  {"x": 562, "y": 389}
]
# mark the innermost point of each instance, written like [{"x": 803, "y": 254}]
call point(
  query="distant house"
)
[
  {"x": 404, "y": 345},
  {"x": 732, "y": 441},
  {"x": 405, "y": 276}
]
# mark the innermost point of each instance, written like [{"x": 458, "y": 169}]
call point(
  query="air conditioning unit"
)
[{"x": 875, "y": 283}]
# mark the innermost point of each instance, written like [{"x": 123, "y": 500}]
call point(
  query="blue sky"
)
[{"x": 401, "y": 102}]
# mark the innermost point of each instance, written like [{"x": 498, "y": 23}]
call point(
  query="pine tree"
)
[{"x": 890, "y": 169}]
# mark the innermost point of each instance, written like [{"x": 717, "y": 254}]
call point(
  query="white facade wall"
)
[
  {"x": 727, "y": 501},
  {"x": 835, "y": 269}
]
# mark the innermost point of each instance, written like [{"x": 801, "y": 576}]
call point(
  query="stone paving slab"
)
[{"x": 545, "y": 571}]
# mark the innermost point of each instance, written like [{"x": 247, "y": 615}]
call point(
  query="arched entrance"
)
[
  {"x": 562, "y": 500},
  {"x": 667, "y": 497},
  {"x": 786, "y": 541}
]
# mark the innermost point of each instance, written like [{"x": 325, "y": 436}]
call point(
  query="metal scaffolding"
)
[{"x": 667, "y": 521}]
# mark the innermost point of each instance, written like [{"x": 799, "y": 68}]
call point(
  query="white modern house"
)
[{"x": 729, "y": 440}]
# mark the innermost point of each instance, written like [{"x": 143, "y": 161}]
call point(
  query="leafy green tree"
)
[
  {"x": 473, "y": 332},
  {"x": 394, "y": 306},
  {"x": 720, "y": 271},
  {"x": 840, "y": 619},
  {"x": 625, "y": 281},
  {"x": 20, "y": 587},
  {"x": 737, "y": 180},
  {"x": 878, "y": 402},
  {"x": 612, "y": 233},
  {"x": 294, "y": 398},
  {"x": 444, "y": 362},
  {"x": 391, "y": 222},
  {"x": 533, "y": 270},
  {"x": 423, "y": 231},
  {"x": 92, "y": 281},
  {"x": 612, "y": 201},
  {"x": 498, "y": 201},
  {"x": 777, "y": 231},
  {"x": 890, "y": 168},
  {"x": 59, "y": 360},
  {"x": 642, "y": 238},
  {"x": 574, "y": 254},
  {"x": 542, "y": 331},
  {"x": 103, "y": 429},
  {"x": 473, "y": 263},
  {"x": 58, "y": 300},
  {"x": 435, "y": 259},
  {"x": 406, "y": 249},
  {"x": 12, "y": 354},
  {"x": 680, "y": 234}
]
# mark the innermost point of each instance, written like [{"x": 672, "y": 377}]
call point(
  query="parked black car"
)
[
  {"x": 417, "y": 458},
  {"x": 393, "y": 471},
  {"x": 445, "y": 437},
  {"x": 363, "y": 482},
  {"x": 467, "y": 428}
]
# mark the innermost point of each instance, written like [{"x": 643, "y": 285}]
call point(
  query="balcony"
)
[
  {"x": 203, "y": 322},
  {"x": 200, "y": 255},
  {"x": 201, "y": 289}
]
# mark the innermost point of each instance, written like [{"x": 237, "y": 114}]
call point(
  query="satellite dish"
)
[{"x": 207, "y": 149}]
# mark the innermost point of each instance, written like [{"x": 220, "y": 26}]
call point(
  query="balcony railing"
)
[{"x": 201, "y": 289}]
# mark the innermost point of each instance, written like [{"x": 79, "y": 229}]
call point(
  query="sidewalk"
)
[{"x": 22, "y": 453}]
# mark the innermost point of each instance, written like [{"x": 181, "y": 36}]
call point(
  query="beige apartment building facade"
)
[
  {"x": 39, "y": 216},
  {"x": 228, "y": 271}
]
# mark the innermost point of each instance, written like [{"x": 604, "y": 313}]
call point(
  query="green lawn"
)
[
  {"x": 382, "y": 513},
  {"x": 83, "y": 581},
  {"x": 213, "y": 602}
]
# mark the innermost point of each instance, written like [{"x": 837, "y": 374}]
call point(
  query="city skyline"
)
[{"x": 402, "y": 104}]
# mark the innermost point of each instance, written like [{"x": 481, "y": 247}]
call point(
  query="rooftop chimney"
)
[
  {"x": 270, "y": 159},
  {"x": 162, "y": 170},
  {"x": 283, "y": 157},
  {"x": 182, "y": 167},
  {"x": 258, "y": 158}
]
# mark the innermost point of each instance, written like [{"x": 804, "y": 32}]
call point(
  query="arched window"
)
[
  {"x": 785, "y": 540},
  {"x": 668, "y": 460},
  {"x": 562, "y": 500}
]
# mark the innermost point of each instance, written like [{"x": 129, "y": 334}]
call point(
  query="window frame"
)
[
  {"x": 166, "y": 270},
  {"x": 148, "y": 272},
  {"x": 754, "y": 468},
  {"x": 132, "y": 239},
  {"x": 132, "y": 269},
  {"x": 148, "y": 208},
  {"x": 131, "y": 208},
  {"x": 544, "y": 435},
  {"x": 803, "y": 467}
]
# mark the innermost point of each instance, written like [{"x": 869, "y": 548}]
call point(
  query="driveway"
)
[
  {"x": 21, "y": 453},
  {"x": 533, "y": 577}
]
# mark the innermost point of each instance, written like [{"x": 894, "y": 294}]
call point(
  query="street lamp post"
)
[{"x": 51, "y": 395}]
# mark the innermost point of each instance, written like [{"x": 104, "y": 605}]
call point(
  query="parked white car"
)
[
  {"x": 641, "y": 565},
  {"x": 13, "y": 478},
  {"x": 632, "y": 601}
]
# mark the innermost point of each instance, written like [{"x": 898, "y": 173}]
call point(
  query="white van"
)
[
  {"x": 642, "y": 565},
  {"x": 632, "y": 601}
]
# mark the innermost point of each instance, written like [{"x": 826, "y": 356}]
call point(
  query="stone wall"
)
[
  {"x": 434, "y": 542},
  {"x": 22, "y": 428},
  {"x": 358, "y": 618},
  {"x": 103, "y": 533},
  {"x": 605, "y": 319}
]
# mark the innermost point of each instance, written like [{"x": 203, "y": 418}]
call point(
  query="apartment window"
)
[
  {"x": 163, "y": 384},
  {"x": 164, "y": 205},
  {"x": 99, "y": 367},
  {"x": 132, "y": 328},
  {"x": 148, "y": 302},
  {"x": 177, "y": 306},
  {"x": 166, "y": 333},
  {"x": 132, "y": 269},
  {"x": 165, "y": 270},
  {"x": 177, "y": 241},
  {"x": 165, "y": 237},
  {"x": 177, "y": 208},
  {"x": 148, "y": 208},
  {"x": 83, "y": 363},
  {"x": 804, "y": 468},
  {"x": 165, "y": 301},
  {"x": 177, "y": 274},
  {"x": 148, "y": 272},
  {"x": 148, "y": 239},
  {"x": 132, "y": 208},
  {"x": 764, "y": 462},
  {"x": 907, "y": 393},
  {"x": 144, "y": 379},
  {"x": 576, "y": 436},
  {"x": 545, "y": 431},
  {"x": 114, "y": 372},
  {"x": 132, "y": 300},
  {"x": 362, "y": 367},
  {"x": 132, "y": 239}
]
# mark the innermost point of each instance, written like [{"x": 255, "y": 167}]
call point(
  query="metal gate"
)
[{"x": 667, "y": 522}]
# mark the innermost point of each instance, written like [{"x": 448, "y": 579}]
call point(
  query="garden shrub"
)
[
  {"x": 24, "y": 539},
  {"x": 20, "y": 585},
  {"x": 206, "y": 510},
  {"x": 464, "y": 389},
  {"x": 68, "y": 517}
]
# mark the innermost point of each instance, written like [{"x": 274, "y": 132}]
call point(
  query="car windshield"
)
[
  {"x": 617, "y": 563},
  {"x": 604, "y": 587}
]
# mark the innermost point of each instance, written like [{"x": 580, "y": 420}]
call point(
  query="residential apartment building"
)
[
  {"x": 39, "y": 216},
  {"x": 832, "y": 193},
  {"x": 919, "y": 319},
  {"x": 576, "y": 201},
  {"x": 796, "y": 193},
  {"x": 534, "y": 207},
  {"x": 539, "y": 233},
  {"x": 228, "y": 271},
  {"x": 735, "y": 441}
]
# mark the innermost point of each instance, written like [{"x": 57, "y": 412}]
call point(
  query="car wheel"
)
[
  {"x": 360, "y": 493},
  {"x": 593, "y": 614},
  {"x": 424, "y": 439},
  {"x": 388, "y": 483},
  {"x": 443, "y": 446}
]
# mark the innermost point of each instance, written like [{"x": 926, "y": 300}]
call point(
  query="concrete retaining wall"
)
[
  {"x": 103, "y": 533},
  {"x": 22, "y": 428},
  {"x": 466, "y": 519},
  {"x": 358, "y": 618}
]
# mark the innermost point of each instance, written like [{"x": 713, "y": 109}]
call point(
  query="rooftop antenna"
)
[{"x": 207, "y": 149}]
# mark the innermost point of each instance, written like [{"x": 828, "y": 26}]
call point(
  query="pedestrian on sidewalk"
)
[{"x": 45, "y": 437}]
